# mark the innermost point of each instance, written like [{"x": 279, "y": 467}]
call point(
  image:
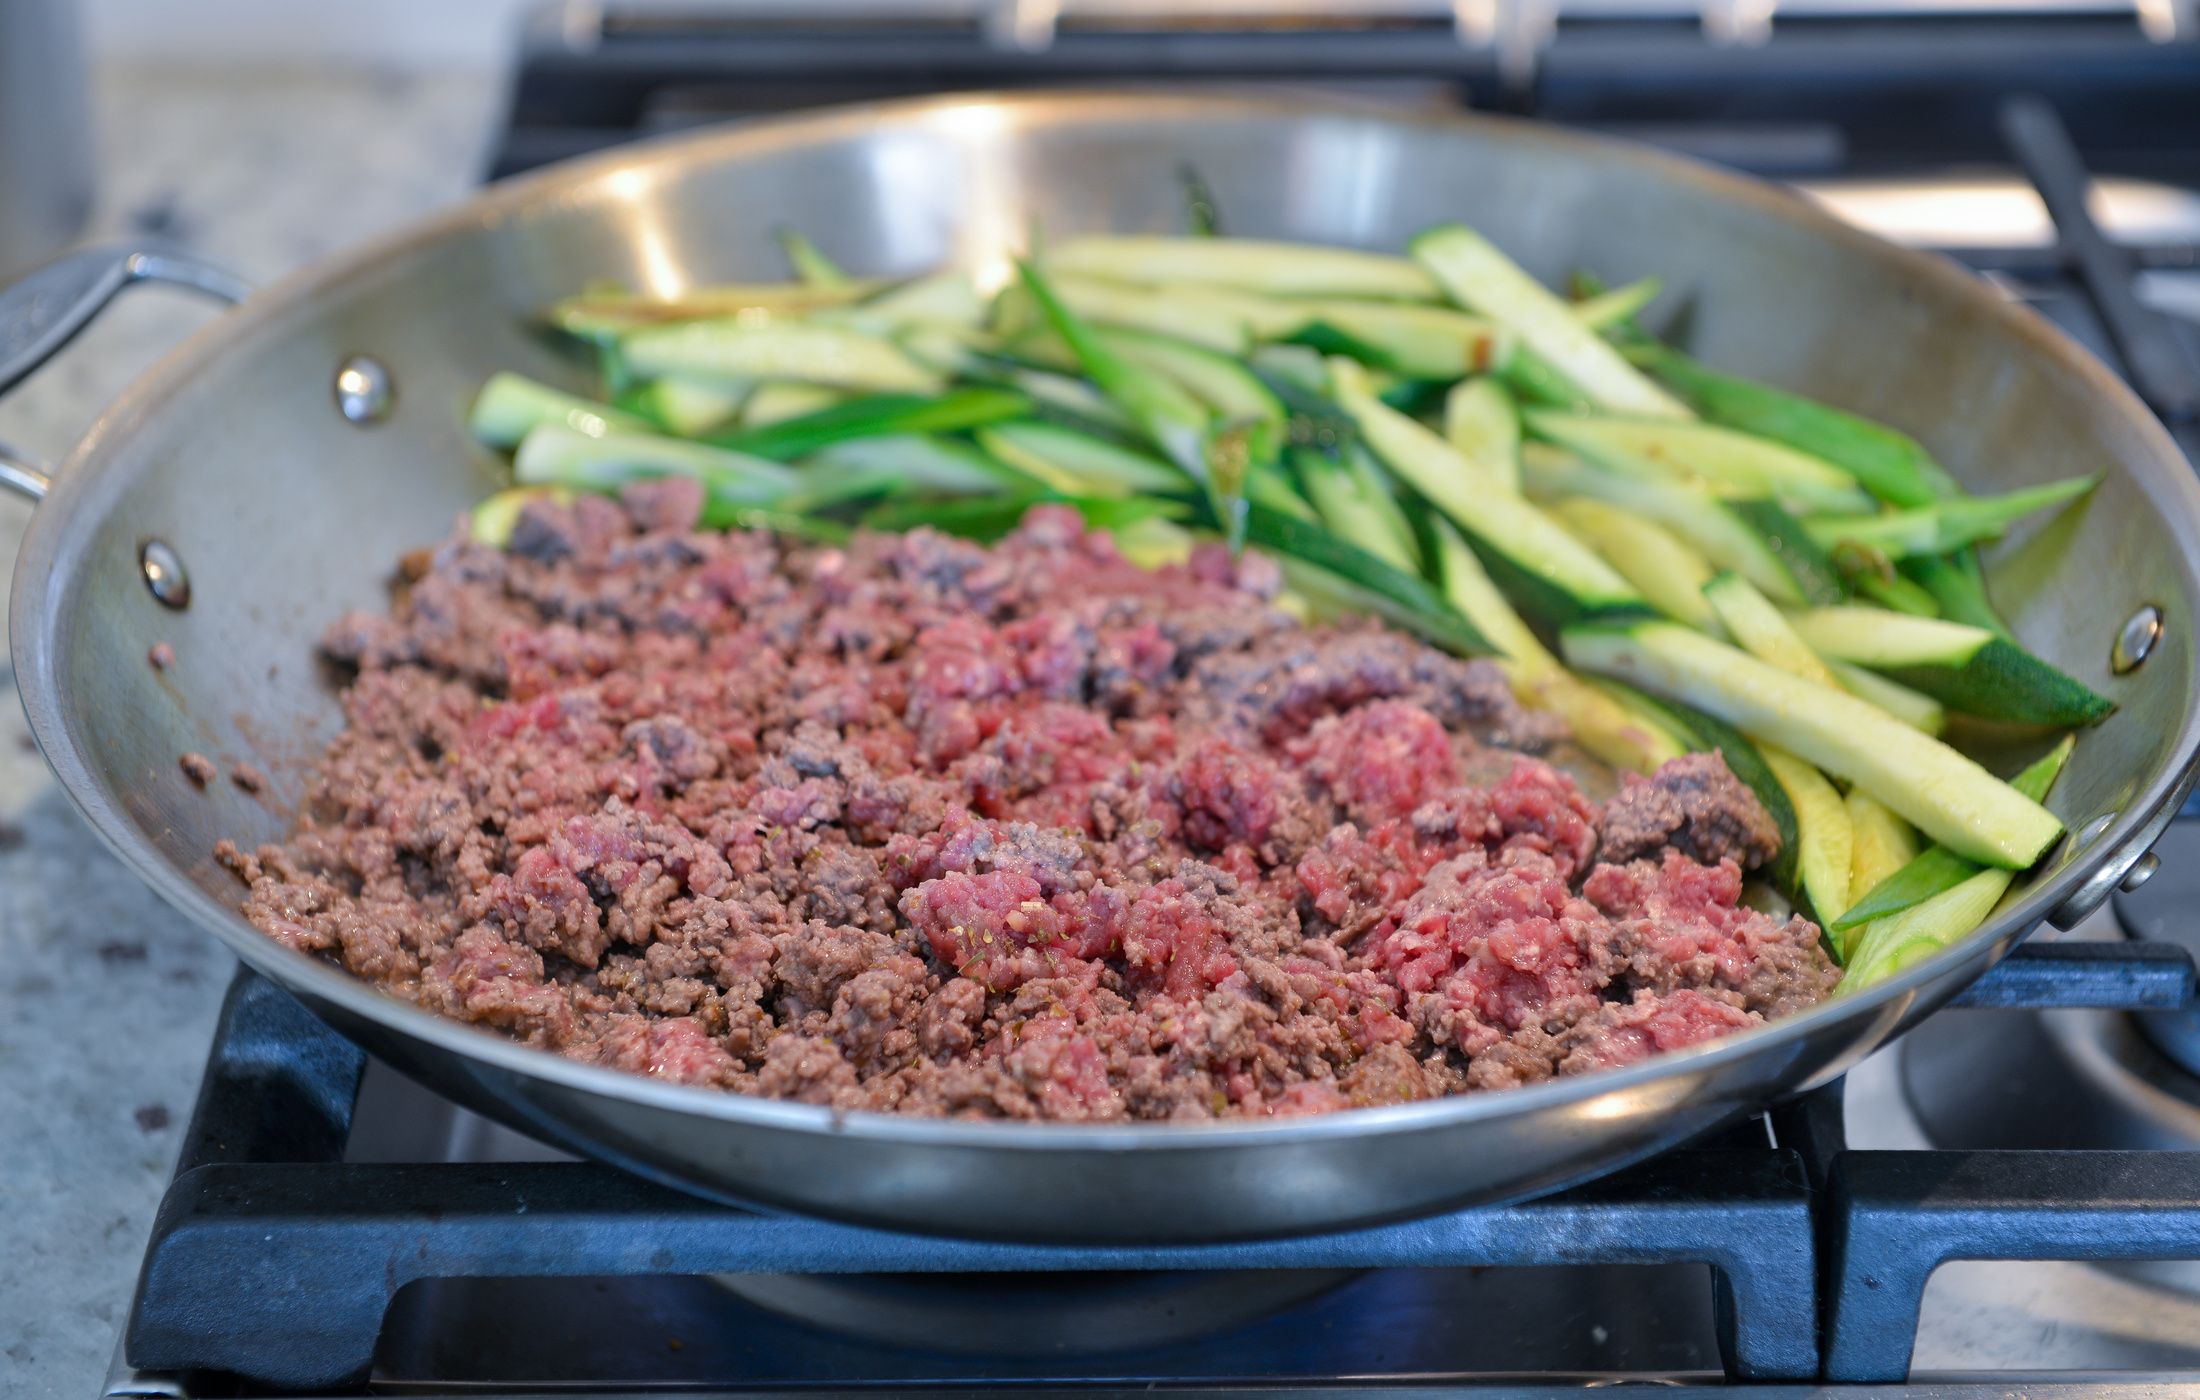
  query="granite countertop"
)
[{"x": 107, "y": 999}]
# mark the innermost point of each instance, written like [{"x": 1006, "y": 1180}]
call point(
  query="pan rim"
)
[{"x": 1877, "y": 1013}]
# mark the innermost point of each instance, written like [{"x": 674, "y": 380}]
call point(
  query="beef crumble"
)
[{"x": 1016, "y": 832}]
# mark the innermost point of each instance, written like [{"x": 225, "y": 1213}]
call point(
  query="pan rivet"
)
[
  {"x": 2135, "y": 643},
  {"x": 2142, "y": 870},
  {"x": 164, "y": 575},
  {"x": 363, "y": 390}
]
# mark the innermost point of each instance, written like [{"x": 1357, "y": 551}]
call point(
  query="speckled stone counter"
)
[{"x": 106, "y": 999}]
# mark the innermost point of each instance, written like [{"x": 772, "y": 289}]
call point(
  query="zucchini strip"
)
[
  {"x": 723, "y": 349},
  {"x": 1891, "y": 465},
  {"x": 778, "y": 400},
  {"x": 1825, "y": 842},
  {"x": 927, "y": 463},
  {"x": 1914, "y": 708},
  {"x": 1946, "y": 525},
  {"x": 1482, "y": 424},
  {"x": 1957, "y": 586},
  {"x": 1164, "y": 410},
  {"x": 1884, "y": 947},
  {"x": 605, "y": 317},
  {"x": 1427, "y": 342},
  {"x": 811, "y": 267},
  {"x": 1758, "y": 628},
  {"x": 1103, "y": 467},
  {"x": 1358, "y": 508},
  {"x": 510, "y": 406},
  {"x": 1602, "y": 311},
  {"x": 1389, "y": 592},
  {"x": 1285, "y": 269},
  {"x": 1880, "y": 844},
  {"x": 1726, "y": 462},
  {"x": 1476, "y": 275},
  {"x": 1568, "y": 577},
  {"x": 1966, "y": 668},
  {"x": 1603, "y": 726},
  {"x": 875, "y": 415},
  {"x": 1936, "y": 869},
  {"x": 1943, "y": 793},
  {"x": 1665, "y": 571},
  {"x": 1716, "y": 529},
  {"x": 554, "y": 455},
  {"x": 686, "y": 408}
]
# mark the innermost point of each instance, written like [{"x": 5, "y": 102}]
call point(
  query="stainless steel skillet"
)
[{"x": 285, "y": 497}]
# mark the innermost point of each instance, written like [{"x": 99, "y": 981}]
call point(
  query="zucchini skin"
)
[
  {"x": 2003, "y": 681},
  {"x": 1947, "y": 795}
]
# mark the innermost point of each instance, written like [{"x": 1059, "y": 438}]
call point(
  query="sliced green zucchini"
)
[
  {"x": 1825, "y": 843},
  {"x": 1605, "y": 310},
  {"x": 1389, "y": 592},
  {"x": 1966, "y": 668},
  {"x": 733, "y": 350},
  {"x": 875, "y": 415},
  {"x": 1286, "y": 269},
  {"x": 1881, "y": 844},
  {"x": 1166, "y": 412},
  {"x": 1482, "y": 424},
  {"x": 554, "y": 455},
  {"x": 777, "y": 401},
  {"x": 1882, "y": 948},
  {"x": 1946, "y": 795},
  {"x": 1475, "y": 274},
  {"x": 1758, "y": 628},
  {"x": 1561, "y": 576},
  {"x": 1367, "y": 517},
  {"x": 1894, "y": 592},
  {"x": 1103, "y": 467},
  {"x": 1957, "y": 586},
  {"x": 510, "y": 406},
  {"x": 1154, "y": 543},
  {"x": 1666, "y": 572},
  {"x": 606, "y": 316},
  {"x": 1215, "y": 317},
  {"x": 1891, "y": 465},
  {"x": 1936, "y": 869},
  {"x": 1721, "y": 531},
  {"x": 926, "y": 463},
  {"x": 1913, "y": 708},
  {"x": 1223, "y": 384},
  {"x": 1945, "y": 525},
  {"x": 1535, "y": 380},
  {"x": 811, "y": 267},
  {"x": 687, "y": 407},
  {"x": 944, "y": 299},
  {"x": 1601, "y": 724},
  {"x": 1427, "y": 342},
  {"x": 1724, "y": 461}
]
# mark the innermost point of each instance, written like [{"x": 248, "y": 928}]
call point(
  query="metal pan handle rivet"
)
[
  {"x": 164, "y": 575},
  {"x": 2142, "y": 870},
  {"x": 364, "y": 391},
  {"x": 2135, "y": 640}
]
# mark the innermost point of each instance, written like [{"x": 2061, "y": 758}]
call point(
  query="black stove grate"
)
[{"x": 275, "y": 1263}]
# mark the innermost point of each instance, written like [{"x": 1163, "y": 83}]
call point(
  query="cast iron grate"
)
[{"x": 273, "y": 1262}]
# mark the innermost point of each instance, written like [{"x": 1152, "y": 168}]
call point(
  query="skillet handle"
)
[{"x": 46, "y": 309}]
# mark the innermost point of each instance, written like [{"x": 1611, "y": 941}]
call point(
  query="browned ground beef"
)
[
  {"x": 1697, "y": 806},
  {"x": 1020, "y": 831}
]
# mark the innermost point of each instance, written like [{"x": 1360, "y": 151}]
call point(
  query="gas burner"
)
[{"x": 2051, "y": 1080}]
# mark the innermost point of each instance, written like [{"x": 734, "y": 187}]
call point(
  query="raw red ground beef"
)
[{"x": 1020, "y": 831}]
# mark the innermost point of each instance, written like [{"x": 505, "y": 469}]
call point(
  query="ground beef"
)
[
  {"x": 1694, "y": 805},
  {"x": 1024, "y": 831}
]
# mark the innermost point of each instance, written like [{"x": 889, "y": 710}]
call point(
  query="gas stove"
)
[{"x": 2008, "y": 1202}]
